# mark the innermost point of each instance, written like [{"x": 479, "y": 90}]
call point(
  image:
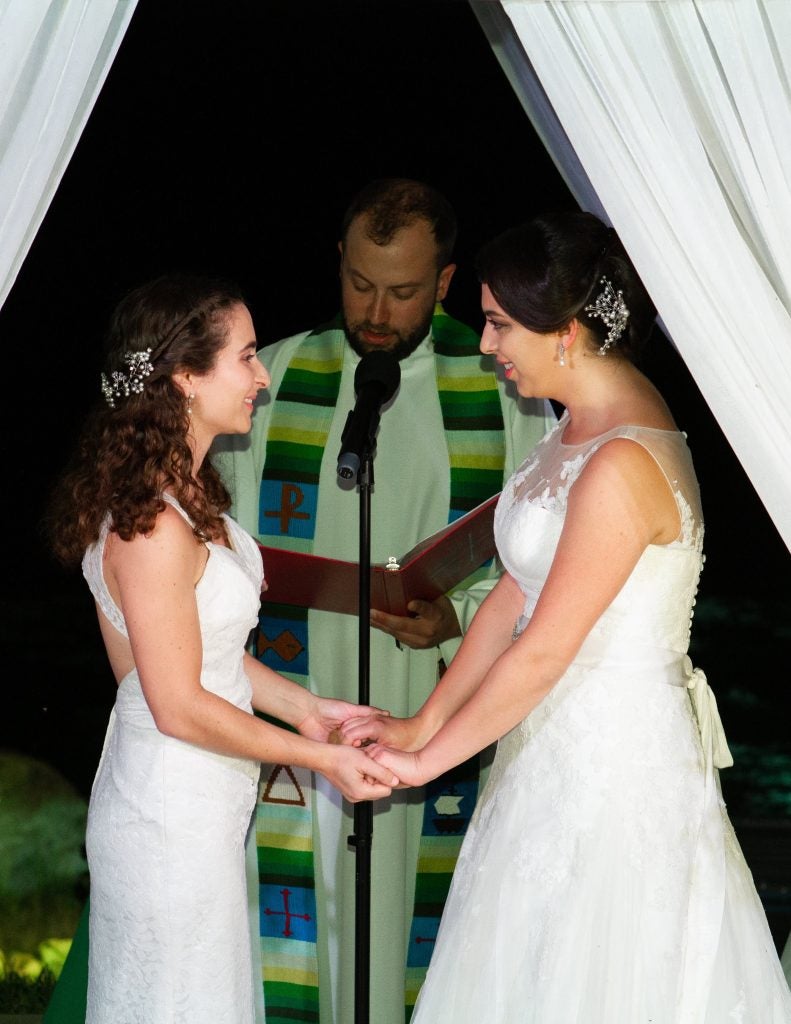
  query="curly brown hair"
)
[{"x": 129, "y": 453}]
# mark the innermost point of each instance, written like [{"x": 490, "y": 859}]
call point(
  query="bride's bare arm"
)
[
  {"x": 488, "y": 636},
  {"x": 620, "y": 504},
  {"x": 153, "y": 579}
]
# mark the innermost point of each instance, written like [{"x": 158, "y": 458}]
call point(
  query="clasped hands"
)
[
  {"x": 391, "y": 742},
  {"x": 358, "y": 771},
  {"x": 388, "y": 746}
]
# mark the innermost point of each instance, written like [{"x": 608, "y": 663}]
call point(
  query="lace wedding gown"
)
[
  {"x": 169, "y": 933},
  {"x": 600, "y": 881}
]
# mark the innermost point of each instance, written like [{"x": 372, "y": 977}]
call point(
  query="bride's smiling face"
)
[
  {"x": 223, "y": 398},
  {"x": 528, "y": 358}
]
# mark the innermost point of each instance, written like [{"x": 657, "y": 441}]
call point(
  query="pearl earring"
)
[
  {"x": 561, "y": 354},
  {"x": 190, "y": 399}
]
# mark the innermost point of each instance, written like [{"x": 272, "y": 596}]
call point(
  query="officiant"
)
[{"x": 446, "y": 441}]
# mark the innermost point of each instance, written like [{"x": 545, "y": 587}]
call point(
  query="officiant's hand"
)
[{"x": 430, "y": 624}]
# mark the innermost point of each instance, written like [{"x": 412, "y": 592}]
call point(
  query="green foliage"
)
[
  {"x": 19, "y": 994},
  {"x": 42, "y": 829},
  {"x": 43, "y": 871},
  {"x": 41, "y": 850}
]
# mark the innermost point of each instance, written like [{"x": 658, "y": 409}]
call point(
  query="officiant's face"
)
[{"x": 388, "y": 291}]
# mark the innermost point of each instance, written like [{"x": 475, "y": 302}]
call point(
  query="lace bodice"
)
[{"x": 530, "y": 516}]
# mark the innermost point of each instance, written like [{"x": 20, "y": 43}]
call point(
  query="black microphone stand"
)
[
  {"x": 362, "y": 837},
  {"x": 375, "y": 381}
]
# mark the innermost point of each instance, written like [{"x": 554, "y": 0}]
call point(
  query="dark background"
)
[{"x": 228, "y": 138}]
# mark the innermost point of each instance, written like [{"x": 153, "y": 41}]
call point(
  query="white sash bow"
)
[{"x": 712, "y": 734}]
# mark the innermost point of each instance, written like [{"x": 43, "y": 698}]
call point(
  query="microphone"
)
[{"x": 376, "y": 378}]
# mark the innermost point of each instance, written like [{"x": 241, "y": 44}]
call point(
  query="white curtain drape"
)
[
  {"x": 54, "y": 58},
  {"x": 673, "y": 118}
]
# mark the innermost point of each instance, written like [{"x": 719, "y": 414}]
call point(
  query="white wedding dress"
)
[
  {"x": 169, "y": 934},
  {"x": 600, "y": 881}
]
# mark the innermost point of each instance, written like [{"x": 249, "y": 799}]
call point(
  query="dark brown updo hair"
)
[{"x": 545, "y": 272}]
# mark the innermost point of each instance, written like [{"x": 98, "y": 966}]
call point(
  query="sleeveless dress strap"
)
[
  {"x": 94, "y": 576},
  {"x": 172, "y": 501}
]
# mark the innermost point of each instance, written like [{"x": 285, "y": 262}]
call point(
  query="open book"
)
[{"x": 431, "y": 568}]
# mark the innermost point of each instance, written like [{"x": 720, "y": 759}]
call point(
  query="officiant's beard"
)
[{"x": 404, "y": 345}]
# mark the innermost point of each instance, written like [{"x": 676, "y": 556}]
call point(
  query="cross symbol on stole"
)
[
  {"x": 291, "y": 497},
  {"x": 286, "y": 913}
]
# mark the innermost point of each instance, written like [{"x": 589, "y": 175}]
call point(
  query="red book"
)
[{"x": 431, "y": 568}]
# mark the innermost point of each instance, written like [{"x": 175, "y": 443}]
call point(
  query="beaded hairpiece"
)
[
  {"x": 612, "y": 310},
  {"x": 121, "y": 385}
]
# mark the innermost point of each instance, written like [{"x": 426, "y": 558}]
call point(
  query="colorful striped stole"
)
[
  {"x": 302, "y": 415},
  {"x": 301, "y": 418}
]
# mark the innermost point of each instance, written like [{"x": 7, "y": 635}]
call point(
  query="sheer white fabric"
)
[
  {"x": 674, "y": 117},
  {"x": 54, "y": 58}
]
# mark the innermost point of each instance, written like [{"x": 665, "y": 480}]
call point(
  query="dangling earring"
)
[
  {"x": 561, "y": 354},
  {"x": 190, "y": 399}
]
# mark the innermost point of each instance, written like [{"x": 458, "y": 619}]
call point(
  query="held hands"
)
[
  {"x": 350, "y": 771},
  {"x": 357, "y": 776},
  {"x": 391, "y": 743},
  {"x": 406, "y": 766},
  {"x": 363, "y": 774},
  {"x": 326, "y": 716},
  {"x": 430, "y": 624},
  {"x": 401, "y": 733},
  {"x": 378, "y": 735}
]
